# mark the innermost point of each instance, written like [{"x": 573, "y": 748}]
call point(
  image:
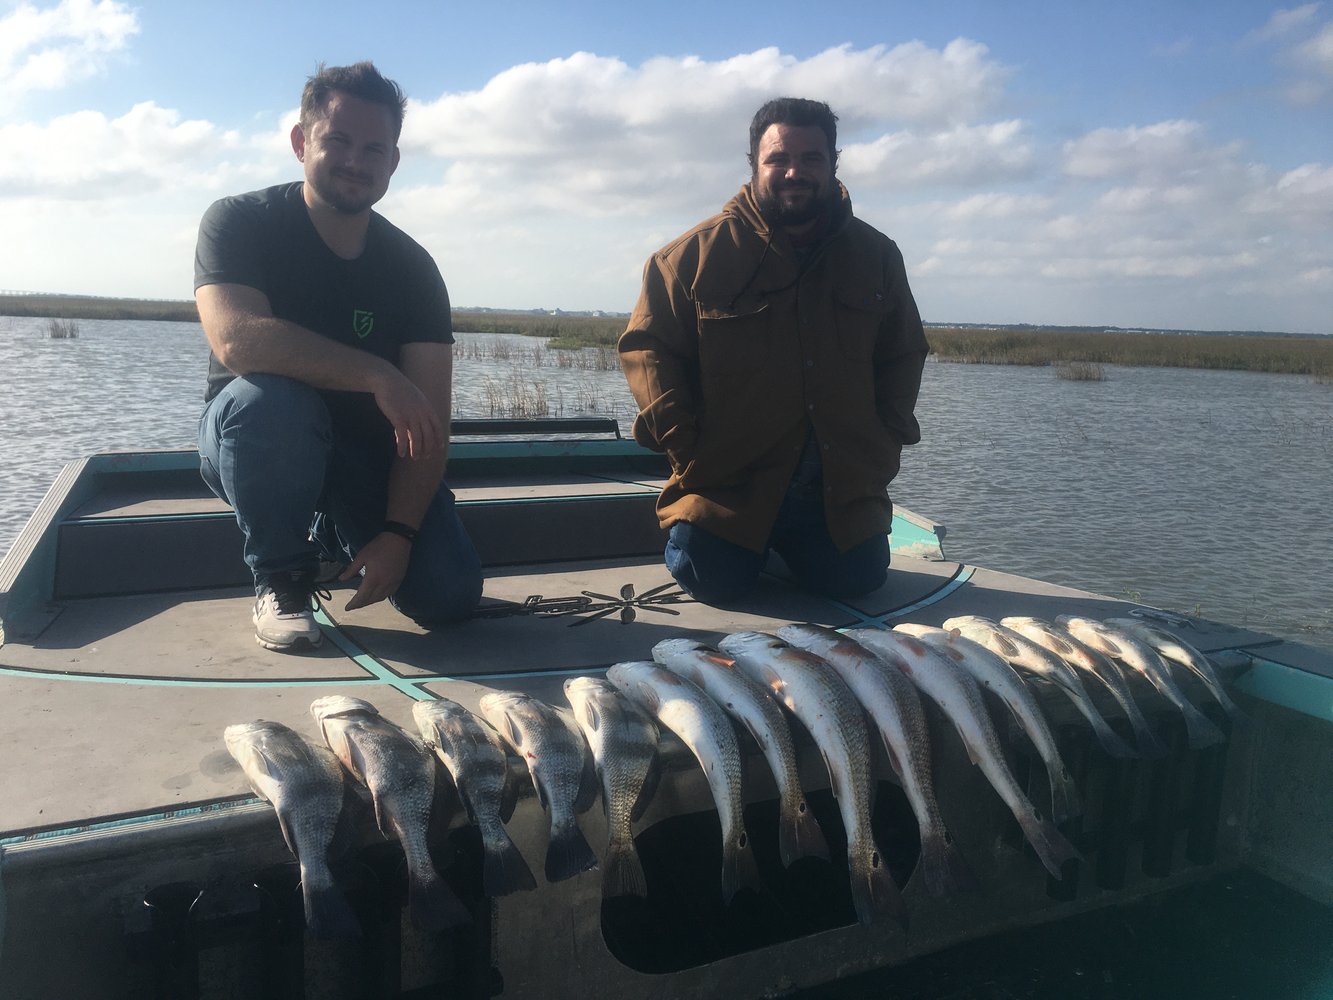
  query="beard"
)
[
  {"x": 778, "y": 212},
  {"x": 345, "y": 202}
]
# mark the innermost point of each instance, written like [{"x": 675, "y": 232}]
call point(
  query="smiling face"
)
[
  {"x": 349, "y": 154},
  {"x": 793, "y": 175}
]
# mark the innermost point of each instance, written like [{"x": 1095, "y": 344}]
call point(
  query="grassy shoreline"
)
[{"x": 1009, "y": 345}]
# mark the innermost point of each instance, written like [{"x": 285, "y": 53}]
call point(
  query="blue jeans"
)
[
  {"x": 267, "y": 446},
  {"x": 715, "y": 571}
]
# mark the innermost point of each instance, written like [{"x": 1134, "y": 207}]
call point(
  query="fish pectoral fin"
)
[
  {"x": 508, "y": 793},
  {"x": 344, "y": 833},
  {"x": 288, "y": 835},
  {"x": 834, "y": 786},
  {"x": 589, "y": 785},
  {"x": 649, "y": 789}
]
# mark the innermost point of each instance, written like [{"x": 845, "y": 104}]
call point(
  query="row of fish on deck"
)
[{"x": 838, "y": 685}]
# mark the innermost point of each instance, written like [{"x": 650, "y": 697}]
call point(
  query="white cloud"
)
[
  {"x": 960, "y": 155},
  {"x": 1284, "y": 22},
  {"x": 48, "y": 49},
  {"x": 85, "y": 155},
  {"x": 1163, "y": 151}
]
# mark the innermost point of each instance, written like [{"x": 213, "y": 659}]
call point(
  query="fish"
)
[
  {"x": 705, "y": 728},
  {"x": 894, "y": 707},
  {"x": 1176, "y": 650},
  {"x": 477, "y": 760},
  {"x": 814, "y": 693},
  {"x": 799, "y": 835},
  {"x": 959, "y": 697},
  {"x": 995, "y": 674},
  {"x": 623, "y": 741},
  {"x": 1028, "y": 656},
  {"x": 400, "y": 774},
  {"x": 1084, "y": 658},
  {"x": 306, "y": 787},
  {"x": 1141, "y": 658},
  {"x": 562, "y": 773}
]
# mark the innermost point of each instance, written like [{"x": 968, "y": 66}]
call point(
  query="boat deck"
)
[{"x": 128, "y": 649}]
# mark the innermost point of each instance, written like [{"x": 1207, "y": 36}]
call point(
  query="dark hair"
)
[
  {"x": 799, "y": 112},
  {"x": 361, "y": 80}
]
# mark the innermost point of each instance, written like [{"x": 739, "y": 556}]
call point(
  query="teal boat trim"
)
[{"x": 1290, "y": 687}]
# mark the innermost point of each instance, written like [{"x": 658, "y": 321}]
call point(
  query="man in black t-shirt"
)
[{"x": 326, "y": 423}]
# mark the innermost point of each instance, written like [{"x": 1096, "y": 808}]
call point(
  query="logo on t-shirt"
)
[{"x": 362, "y": 322}]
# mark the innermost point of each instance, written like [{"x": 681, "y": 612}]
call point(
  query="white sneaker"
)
[{"x": 284, "y": 614}]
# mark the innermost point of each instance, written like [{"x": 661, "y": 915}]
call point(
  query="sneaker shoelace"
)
[{"x": 294, "y": 597}]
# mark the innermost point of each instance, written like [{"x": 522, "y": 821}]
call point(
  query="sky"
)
[{"x": 1141, "y": 164}]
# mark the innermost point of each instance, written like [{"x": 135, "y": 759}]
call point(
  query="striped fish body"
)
[
  {"x": 702, "y": 725},
  {"x": 799, "y": 834}
]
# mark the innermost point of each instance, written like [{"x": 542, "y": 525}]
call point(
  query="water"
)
[{"x": 1202, "y": 492}]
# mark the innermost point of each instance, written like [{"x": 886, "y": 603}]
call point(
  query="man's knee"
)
[
  {"x": 453, "y": 597},
  {"x": 708, "y": 568}
]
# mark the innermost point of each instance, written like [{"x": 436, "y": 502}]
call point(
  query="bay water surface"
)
[{"x": 1202, "y": 492}]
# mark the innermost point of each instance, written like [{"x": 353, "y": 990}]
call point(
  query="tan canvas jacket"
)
[{"x": 736, "y": 351}]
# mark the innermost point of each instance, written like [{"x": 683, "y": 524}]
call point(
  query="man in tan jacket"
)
[{"x": 775, "y": 354}]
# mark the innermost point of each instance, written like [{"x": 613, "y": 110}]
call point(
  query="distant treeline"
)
[{"x": 1009, "y": 345}]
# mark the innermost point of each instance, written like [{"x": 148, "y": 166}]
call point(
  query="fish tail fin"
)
[
  {"x": 874, "y": 892},
  {"x": 799, "y": 834},
  {"x": 622, "y": 872},
  {"x": 568, "y": 852},
  {"x": 1109, "y": 738},
  {"x": 944, "y": 868},
  {"x": 739, "y": 870},
  {"x": 1049, "y": 843},
  {"x": 1065, "y": 800},
  {"x": 328, "y": 915},
  {"x": 504, "y": 870},
  {"x": 1150, "y": 744},
  {"x": 1203, "y": 732},
  {"x": 431, "y": 903}
]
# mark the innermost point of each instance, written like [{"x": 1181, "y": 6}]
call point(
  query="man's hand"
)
[
  {"x": 417, "y": 428},
  {"x": 384, "y": 559}
]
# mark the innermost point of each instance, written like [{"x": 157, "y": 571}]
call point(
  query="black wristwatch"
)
[{"x": 401, "y": 530}]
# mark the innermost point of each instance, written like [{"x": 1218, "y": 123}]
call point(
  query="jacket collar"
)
[{"x": 744, "y": 208}]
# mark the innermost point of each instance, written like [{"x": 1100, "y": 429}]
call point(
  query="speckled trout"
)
[
  {"x": 813, "y": 692},
  {"x": 307, "y": 788},
  {"x": 688, "y": 711},
  {"x": 799, "y": 834},
  {"x": 400, "y": 774},
  {"x": 959, "y": 697},
  {"x": 476, "y": 759},
  {"x": 1097, "y": 665},
  {"x": 994, "y": 674},
  {"x": 1141, "y": 658},
  {"x": 1028, "y": 656},
  {"x": 562, "y": 772},
  {"x": 894, "y": 708},
  {"x": 623, "y": 740},
  {"x": 1177, "y": 650}
]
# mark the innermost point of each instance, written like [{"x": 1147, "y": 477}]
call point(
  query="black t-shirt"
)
[{"x": 391, "y": 295}]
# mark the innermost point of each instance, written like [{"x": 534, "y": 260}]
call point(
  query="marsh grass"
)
[
  {"x": 62, "y": 329},
  {"x": 1080, "y": 371},
  {"x": 1289, "y": 355}
]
